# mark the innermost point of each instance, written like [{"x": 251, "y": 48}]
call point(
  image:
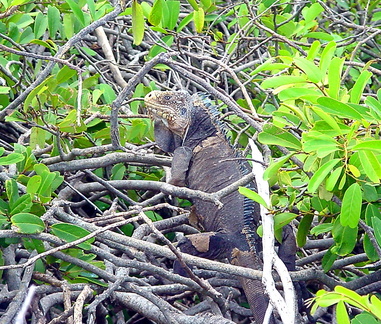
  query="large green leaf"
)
[
  {"x": 359, "y": 86},
  {"x": 70, "y": 233},
  {"x": 137, "y": 22},
  {"x": 351, "y": 206},
  {"x": 339, "y": 108},
  {"x": 345, "y": 238},
  {"x": 277, "y": 136},
  {"x": 27, "y": 223},
  {"x": 371, "y": 165},
  {"x": 252, "y": 195},
  {"x": 303, "y": 229},
  {"x": 321, "y": 174},
  {"x": 277, "y": 81},
  {"x": 156, "y": 13},
  {"x": 312, "y": 71}
]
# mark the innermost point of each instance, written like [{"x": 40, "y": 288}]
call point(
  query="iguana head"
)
[{"x": 173, "y": 108}]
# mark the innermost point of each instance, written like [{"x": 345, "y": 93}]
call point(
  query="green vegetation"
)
[{"x": 80, "y": 179}]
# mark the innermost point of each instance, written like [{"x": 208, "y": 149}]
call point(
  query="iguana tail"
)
[{"x": 253, "y": 289}]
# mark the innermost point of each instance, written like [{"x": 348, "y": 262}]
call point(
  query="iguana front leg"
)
[{"x": 180, "y": 165}]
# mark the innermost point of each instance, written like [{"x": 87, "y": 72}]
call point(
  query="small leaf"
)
[
  {"x": 334, "y": 77},
  {"x": 332, "y": 180},
  {"x": 320, "y": 175},
  {"x": 351, "y": 206},
  {"x": 341, "y": 313},
  {"x": 27, "y": 223},
  {"x": 326, "y": 56},
  {"x": 277, "y": 136},
  {"x": 283, "y": 219},
  {"x": 345, "y": 238},
  {"x": 137, "y": 22},
  {"x": 371, "y": 165},
  {"x": 77, "y": 11},
  {"x": 321, "y": 228},
  {"x": 277, "y": 81},
  {"x": 193, "y": 3},
  {"x": 328, "y": 260},
  {"x": 23, "y": 204},
  {"x": 354, "y": 170},
  {"x": 12, "y": 158},
  {"x": 309, "y": 68},
  {"x": 70, "y": 233},
  {"x": 199, "y": 18},
  {"x": 359, "y": 86},
  {"x": 303, "y": 229},
  {"x": 377, "y": 229},
  {"x": 275, "y": 166},
  {"x": 253, "y": 196},
  {"x": 156, "y": 13},
  {"x": 53, "y": 21}
]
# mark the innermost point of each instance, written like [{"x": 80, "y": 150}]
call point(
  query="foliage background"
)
[{"x": 81, "y": 179}]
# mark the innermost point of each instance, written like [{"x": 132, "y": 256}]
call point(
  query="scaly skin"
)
[{"x": 204, "y": 160}]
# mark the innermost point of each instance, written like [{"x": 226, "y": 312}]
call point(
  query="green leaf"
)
[
  {"x": 156, "y": 13},
  {"x": 54, "y": 21},
  {"x": 194, "y": 4},
  {"x": 377, "y": 229},
  {"x": 326, "y": 56},
  {"x": 333, "y": 179},
  {"x": 33, "y": 184},
  {"x": 92, "y": 10},
  {"x": 371, "y": 165},
  {"x": 277, "y": 136},
  {"x": 345, "y": 238},
  {"x": 27, "y": 223},
  {"x": 374, "y": 105},
  {"x": 375, "y": 306},
  {"x": 309, "y": 68},
  {"x": 328, "y": 260},
  {"x": 118, "y": 171},
  {"x": 368, "y": 145},
  {"x": 334, "y": 77},
  {"x": 171, "y": 14},
  {"x": 11, "y": 158},
  {"x": 369, "y": 249},
  {"x": 137, "y": 22},
  {"x": 70, "y": 233},
  {"x": 199, "y": 18},
  {"x": 12, "y": 192},
  {"x": 365, "y": 318},
  {"x": 22, "y": 204},
  {"x": 283, "y": 219},
  {"x": 320, "y": 175},
  {"x": 277, "y": 81},
  {"x": 351, "y": 206},
  {"x": 253, "y": 196},
  {"x": 359, "y": 86},
  {"x": 321, "y": 228},
  {"x": 77, "y": 11},
  {"x": 274, "y": 167},
  {"x": 303, "y": 229},
  {"x": 40, "y": 25},
  {"x": 341, "y": 313},
  {"x": 341, "y": 109}
]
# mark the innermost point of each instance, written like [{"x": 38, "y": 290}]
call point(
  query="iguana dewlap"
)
[{"x": 203, "y": 159}]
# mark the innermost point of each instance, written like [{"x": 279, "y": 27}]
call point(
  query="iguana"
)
[{"x": 203, "y": 159}]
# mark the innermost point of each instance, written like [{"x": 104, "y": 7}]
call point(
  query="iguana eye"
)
[{"x": 167, "y": 97}]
